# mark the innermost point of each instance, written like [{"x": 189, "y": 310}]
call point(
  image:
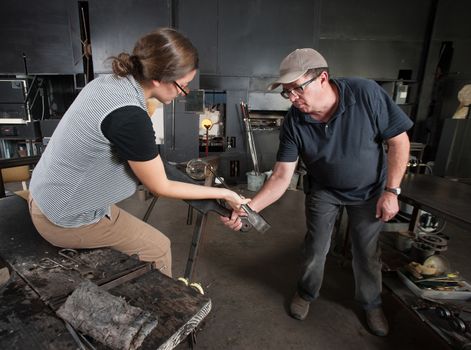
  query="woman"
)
[{"x": 105, "y": 144}]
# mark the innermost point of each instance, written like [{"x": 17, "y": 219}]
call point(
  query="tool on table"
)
[
  {"x": 49, "y": 264},
  {"x": 257, "y": 221},
  {"x": 71, "y": 255}
]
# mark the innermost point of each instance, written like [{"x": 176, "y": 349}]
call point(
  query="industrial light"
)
[{"x": 206, "y": 123}]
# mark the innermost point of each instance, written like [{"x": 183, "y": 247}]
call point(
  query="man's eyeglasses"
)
[
  {"x": 180, "y": 88},
  {"x": 298, "y": 89}
]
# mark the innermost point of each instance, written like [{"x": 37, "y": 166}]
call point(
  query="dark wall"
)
[
  {"x": 373, "y": 39},
  {"x": 116, "y": 25},
  {"x": 241, "y": 43},
  {"x": 44, "y": 31}
]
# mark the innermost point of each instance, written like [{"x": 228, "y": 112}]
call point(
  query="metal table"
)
[{"x": 450, "y": 200}]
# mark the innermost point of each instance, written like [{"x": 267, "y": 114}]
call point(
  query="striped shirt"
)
[{"x": 79, "y": 176}]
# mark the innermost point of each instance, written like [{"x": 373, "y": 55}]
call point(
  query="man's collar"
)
[{"x": 346, "y": 96}]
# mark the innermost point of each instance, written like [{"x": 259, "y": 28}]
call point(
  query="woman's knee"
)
[
  {"x": 160, "y": 249},
  {"x": 165, "y": 243}
]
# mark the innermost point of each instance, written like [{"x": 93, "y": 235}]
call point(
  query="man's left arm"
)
[{"x": 398, "y": 157}]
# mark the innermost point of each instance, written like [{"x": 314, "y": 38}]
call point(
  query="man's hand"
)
[
  {"x": 234, "y": 222},
  {"x": 387, "y": 206},
  {"x": 271, "y": 191}
]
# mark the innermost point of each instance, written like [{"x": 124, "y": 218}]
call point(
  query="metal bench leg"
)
[
  {"x": 150, "y": 208},
  {"x": 200, "y": 226},
  {"x": 189, "y": 215},
  {"x": 198, "y": 231}
]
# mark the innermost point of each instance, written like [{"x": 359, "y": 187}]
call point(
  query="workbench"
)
[
  {"x": 32, "y": 295},
  {"x": 450, "y": 200}
]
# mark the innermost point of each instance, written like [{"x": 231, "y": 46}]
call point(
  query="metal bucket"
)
[{"x": 255, "y": 181}]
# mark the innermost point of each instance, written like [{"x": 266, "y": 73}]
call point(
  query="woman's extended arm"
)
[{"x": 152, "y": 174}]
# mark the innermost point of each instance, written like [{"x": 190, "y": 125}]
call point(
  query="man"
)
[{"x": 337, "y": 127}]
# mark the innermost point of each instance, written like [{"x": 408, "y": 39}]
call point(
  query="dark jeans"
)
[{"x": 321, "y": 211}]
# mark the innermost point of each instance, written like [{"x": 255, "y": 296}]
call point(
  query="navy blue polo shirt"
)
[{"x": 346, "y": 154}]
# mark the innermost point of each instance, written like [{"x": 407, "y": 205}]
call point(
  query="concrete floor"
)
[{"x": 251, "y": 277}]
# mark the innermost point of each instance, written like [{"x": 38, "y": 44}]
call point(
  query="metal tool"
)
[
  {"x": 49, "y": 264},
  {"x": 124, "y": 276},
  {"x": 257, "y": 221},
  {"x": 250, "y": 139},
  {"x": 202, "y": 205},
  {"x": 71, "y": 254}
]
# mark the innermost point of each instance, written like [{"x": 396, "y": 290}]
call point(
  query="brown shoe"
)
[
  {"x": 377, "y": 322},
  {"x": 299, "y": 307}
]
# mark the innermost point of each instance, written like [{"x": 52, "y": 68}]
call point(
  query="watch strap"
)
[{"x": 394, "y": 190}]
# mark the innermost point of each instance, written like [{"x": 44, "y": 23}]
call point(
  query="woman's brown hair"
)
[{"x": 164, "y": 55}]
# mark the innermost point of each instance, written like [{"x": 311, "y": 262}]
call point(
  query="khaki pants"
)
[{"x": 123, "y": 232}]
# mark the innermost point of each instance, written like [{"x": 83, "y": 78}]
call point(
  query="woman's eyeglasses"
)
[
  {"x": 180, "y": 88},
  {"x": 298, "y": 90}
]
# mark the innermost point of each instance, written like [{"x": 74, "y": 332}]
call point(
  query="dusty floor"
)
[{"x": 251, "y": 277}]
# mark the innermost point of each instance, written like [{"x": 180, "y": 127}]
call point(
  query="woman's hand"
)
[{"x": 235, "y": 200}]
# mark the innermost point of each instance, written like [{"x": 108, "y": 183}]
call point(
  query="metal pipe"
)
[{"x": 250, "y": 138}]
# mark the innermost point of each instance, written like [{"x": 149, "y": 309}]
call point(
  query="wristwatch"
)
[{"x": 395, "y": 190}]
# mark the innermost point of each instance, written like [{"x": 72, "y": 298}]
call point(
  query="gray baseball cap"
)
[{"x": 296, "y": 64}]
